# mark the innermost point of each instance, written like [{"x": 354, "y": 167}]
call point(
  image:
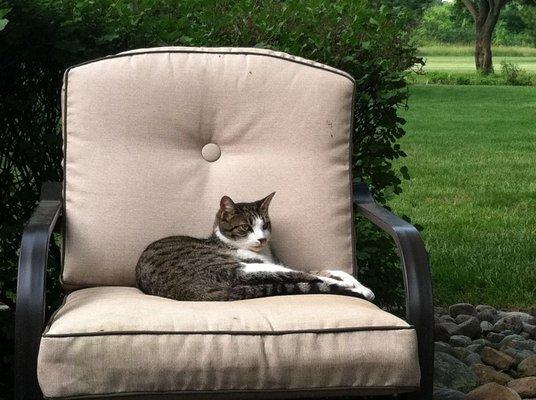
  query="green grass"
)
[
  {"x": 453, "y": 63},
  {"x": 472, "y": 157},
  {"x": 468, "y": 50}
]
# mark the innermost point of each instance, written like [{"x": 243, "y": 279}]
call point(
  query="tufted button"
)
[{"x": 211, "y": 152}]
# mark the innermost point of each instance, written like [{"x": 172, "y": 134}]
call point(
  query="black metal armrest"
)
[
  {"x": 416, "y": 272},
  {"x": 30, "y": 305}
]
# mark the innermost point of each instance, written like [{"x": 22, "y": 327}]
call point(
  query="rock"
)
[
  {"x": 509, "y": 322},
  {"x": 495, "y": 337},
  {"x": 438, "y": 310},
  {"x": 470, "y": 327},
  {"x": 481, "y": 341},
  {"x": 483, "y": 307},
  {"x": 487, "y": 315},
  {"x": 460, "y": 340},
  {"x": 460, "y": 353},
  {"x": 518, "y": 355},
  {"x": 497, "y": 358},
  {"x": 510, "y": 338},
  {"x": 462, "y": 318},
  {"x": 530, "y": 329},
  {"x": 451, "y": 373},
  {"x": 493, "y": 391},
  {"x": 446, "y": 318},
  {"x": 487, "y": 374},
  {"x": 486, "y": 327},
  {"x": 475, "y": 347},
  {"x": 462, "y": 308},
  {"x": 518, "y": 344},
  {"x": 525, "y": 387},
  {"x": 532, "y": 311},
  {"x": 523, "y": 316},
  {"x": 442, "y": 347},
  {"x": 444, "y": 331},
  {"x": 527, "y": 367},
  {"x": 473, "y": 358},
  {"x": 525, "y": 335},
  {"x": 448, "y": 394}
]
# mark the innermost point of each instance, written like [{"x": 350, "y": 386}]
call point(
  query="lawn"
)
[
  {"x": 472, "y": 157},
  {"x": 453, "y": 58}
]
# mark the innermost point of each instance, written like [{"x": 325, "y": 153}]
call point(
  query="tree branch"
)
[{"x": 471, "y": 7}]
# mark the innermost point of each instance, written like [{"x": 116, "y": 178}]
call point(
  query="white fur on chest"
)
[{"x": 265, "y": 256}]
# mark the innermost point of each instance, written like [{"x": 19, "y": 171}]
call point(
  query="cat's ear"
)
[
  {"x": 264, "y": 203},
  {"x": 227, "y": 204}
]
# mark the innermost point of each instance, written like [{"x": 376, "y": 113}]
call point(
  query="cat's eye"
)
[{"x": 242, "y": 228}]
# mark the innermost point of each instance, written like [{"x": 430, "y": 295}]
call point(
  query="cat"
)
[{"x": 234, "y": 263}]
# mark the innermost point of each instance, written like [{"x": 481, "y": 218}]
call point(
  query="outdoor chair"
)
[{"x": 152, "y": 139}]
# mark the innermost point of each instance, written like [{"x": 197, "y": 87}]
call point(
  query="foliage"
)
[
  {"x": 452, "y": 23},
  {"x": 456, "y": 50},
  {"x": 529, "y": 19},
  {"x": 43, "y": 37},
  {"x": 511, "y": 75}
]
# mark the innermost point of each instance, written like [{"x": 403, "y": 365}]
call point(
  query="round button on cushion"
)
[{"x": 211, "y": 152}]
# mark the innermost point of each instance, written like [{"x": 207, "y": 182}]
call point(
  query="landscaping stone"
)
[
  {"x": 447, "y": 318},
  {"x": 448, "y": 394},
  {"x": 445, "y": 330},
  {"x": 495, "y": 337},
  {"x": 518, "y": 355},
  {"x": 493, "y": 391},
  {"x": 451, "y": 373},
  {"x": 509, "y": 322},
  {"x": 488, "y": 315},
  {"x": 510, "y": 338},
  {"x": 483, "y": 307},
  {"x": 525, "y": 387},
  {"x": 470, "y": 327},
  {"x": 487, "y": 374},
  {"x": 527, "y": 367},
  {"x": 530, "y": 329},
  {"x": 460, "y": 340},
  {"x": 460, "y": 353},
  {"x": 462, "y": 318},
  {"x": 486, "y": 326},
  {"x": 497, "y": 358},
  {"x": 523, "y": 316},
  {"x": 475, "y": 347},
  {"x": 462, "y": 308},
  {"x": 473, "y": 358}
]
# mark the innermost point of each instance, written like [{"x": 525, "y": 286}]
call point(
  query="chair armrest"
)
[
  {"x": 30, "y": 305},
  {"x": 416, "y": 272}
]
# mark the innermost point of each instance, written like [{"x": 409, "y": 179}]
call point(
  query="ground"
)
[{"x": 472, "y": 157}]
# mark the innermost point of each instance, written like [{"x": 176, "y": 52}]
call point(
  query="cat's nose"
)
[{"x": 262, "y": 241}]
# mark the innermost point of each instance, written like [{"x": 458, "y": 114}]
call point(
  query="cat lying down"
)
[{"x": 234, "y": 263}]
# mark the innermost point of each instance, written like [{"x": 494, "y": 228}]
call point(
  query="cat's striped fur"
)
[{"x": 234, "y": 263}]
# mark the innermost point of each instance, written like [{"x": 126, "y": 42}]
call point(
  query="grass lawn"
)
[
  {"x": 472, "y": 158},
  {"x": 467, "y": 63}
]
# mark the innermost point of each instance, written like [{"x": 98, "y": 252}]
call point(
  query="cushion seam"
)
[{"x": 232, "y": 333}]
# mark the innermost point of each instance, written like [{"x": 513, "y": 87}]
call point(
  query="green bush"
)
[
  {"x": 516, "y": 76},
  {"x": 43, "y": 37},
  {"x": 510, "y": 75}
]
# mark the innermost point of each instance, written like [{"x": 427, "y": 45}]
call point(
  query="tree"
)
[{"x": 486, "y": 14}]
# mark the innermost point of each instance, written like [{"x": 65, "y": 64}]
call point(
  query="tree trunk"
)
[{"x": 483, "y": 54}]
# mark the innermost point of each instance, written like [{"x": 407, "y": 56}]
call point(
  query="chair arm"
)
[
  {"x": 30, "y": 305},
  {"x": 416, "y": 272}
]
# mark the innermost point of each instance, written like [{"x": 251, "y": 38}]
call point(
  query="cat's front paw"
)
[{"x": 365, "y": 292}]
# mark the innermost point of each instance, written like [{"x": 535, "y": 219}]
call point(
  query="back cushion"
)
[{"x": 135, "y": 128}]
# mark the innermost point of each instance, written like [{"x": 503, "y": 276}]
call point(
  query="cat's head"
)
[{"x": 244, "y": 225}]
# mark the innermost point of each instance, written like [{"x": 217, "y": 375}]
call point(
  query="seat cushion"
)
[{"x": 110, "y": 340}]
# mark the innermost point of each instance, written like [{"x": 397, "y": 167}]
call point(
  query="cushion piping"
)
[
  {"x": 233, "y": 333},
  {"x": 395, "y": 389}
]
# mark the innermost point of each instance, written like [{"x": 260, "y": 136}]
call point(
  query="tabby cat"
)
[{"x": 234, "y": 263}]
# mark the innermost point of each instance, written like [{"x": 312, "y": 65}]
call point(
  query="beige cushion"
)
[
  {"x": 119, "y": 340},
  {"x": 135, "y": 170}
]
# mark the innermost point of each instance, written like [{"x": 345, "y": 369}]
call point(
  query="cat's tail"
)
[{"x": 241, "y": 292}]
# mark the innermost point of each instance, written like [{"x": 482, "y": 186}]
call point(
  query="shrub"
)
[
  {"x": 43, "y": 37},
  {"x": 514, "y": 75}
]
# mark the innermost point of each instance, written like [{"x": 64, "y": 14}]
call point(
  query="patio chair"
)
[{"x": 152, "y": 139}]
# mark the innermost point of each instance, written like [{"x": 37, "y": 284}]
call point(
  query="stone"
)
[
  {"x": 451, "y": 373},
  {"x": 473, "y": 358},
  {"x": 470, "y": 327},
  {"x": 475, "y": 347},
  {"x": 448, "y": 394},
  {"x": 460, "y": 340},
  {"x": 487, "y": 315},
  {"x": 460, "y": 353},
  {"x": 510, "y": 338},
  {"x": 509, "y": 322},
  {"x": 530, "y": 329},
  {"x": 492, "y": 391},
  {"x": 525, "y": 335},
  {"x": 487, "y": 374},
  {"x": 532, "y": 311},
  {"x": 527, "y": 367},
  {"x": 462, "y": 308},
  {"x": 444, "y": 331},
  {"x": 518, "y": 344},
  {"x": 462, "y": 318},
  {"x": 518, "y": 355},
  {"x": 447, "y": 318},
  {"x": 486, "y": 326},
  {"x": 481, "y": 341},
  {"x": 525, "y": 387},
  {"x": 483, "y": 307},
  {"x": 523, "y": 316},
  {"x": 497, "y": 358},
  {"x": 443, "y": 348},
  {"x": 495, "y": 337}
]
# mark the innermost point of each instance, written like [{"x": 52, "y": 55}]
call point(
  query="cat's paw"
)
[{"x": 365, "y": 292}]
